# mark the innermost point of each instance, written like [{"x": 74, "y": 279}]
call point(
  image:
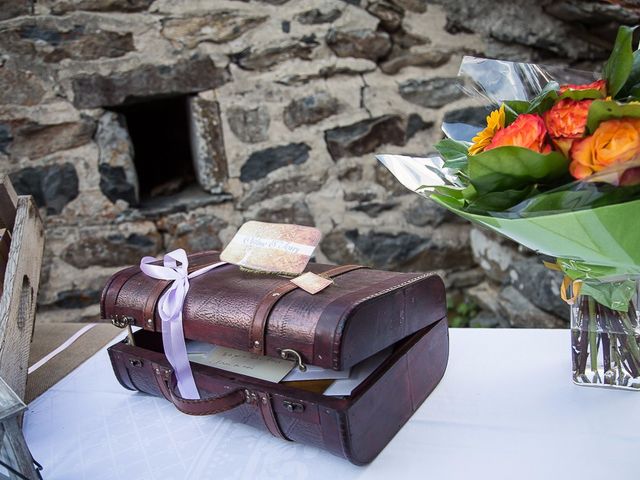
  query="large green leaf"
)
[
  {"x": 633, "y": 82},
  {"x": 499, "y": 201},
  {"x": 513, "y": 168},
  {"x": 453, "y": 152},
  {"x": 618, "y": 68},
  {"x": 614, "y": 295},
  {"x": 601, "y": 110}
]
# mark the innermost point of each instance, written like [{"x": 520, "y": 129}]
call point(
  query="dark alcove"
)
[{"x": 160, "y": 133}]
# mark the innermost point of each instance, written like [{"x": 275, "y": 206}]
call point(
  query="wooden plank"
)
[
  {"x": 18, "y": 301},
  {"x": 8, "y": 203}
]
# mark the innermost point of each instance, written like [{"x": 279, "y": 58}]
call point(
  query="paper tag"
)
[
  {"x": 272, "y": 247},
  {"x": 245, "y": 363},
  {"x": 312, "y": 283}
]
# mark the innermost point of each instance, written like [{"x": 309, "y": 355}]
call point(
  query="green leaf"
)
[
  {"x": 618, "y": 68},
  {"x": 513, "y": 108},
  {"x": 453, "y": 152},
  {"x": 545, "y": 99},
  {"x": 601, "y": 110},
  {"x": 514, "y": 168},
  {"x": 613, "y": 295},
  {"x": 499, "y": 201},
  {"x": 582, "y": 94},
  {"x": 633, "y": 82}
]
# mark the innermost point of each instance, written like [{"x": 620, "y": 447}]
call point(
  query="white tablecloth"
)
[{"x": 506, "y": 408}]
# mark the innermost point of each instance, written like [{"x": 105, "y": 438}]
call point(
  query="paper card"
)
[
  {"x": 272, "y": 247},
  {"x": 245, "y": 363},
  {"x": 316, "y": 373},
  {"x": 359, "y": 374},
  {"x": 311, "y": 283}
]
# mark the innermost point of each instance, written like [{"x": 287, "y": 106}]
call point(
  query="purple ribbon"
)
[{"x": 175, "y": 267}]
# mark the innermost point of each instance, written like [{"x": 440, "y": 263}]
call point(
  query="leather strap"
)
[
  {"x": 268, "y": 415},
  {"x": 257, "y": 331},
  {"x": 208, "y": 406}
]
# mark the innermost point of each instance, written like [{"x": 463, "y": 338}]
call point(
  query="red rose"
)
[
  {"x": 567, "y": 121},
  {"x": 600, "y": 85},
  {"x": 526, "y": 131}
]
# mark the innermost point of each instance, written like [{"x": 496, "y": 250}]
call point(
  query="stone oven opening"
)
[{"x": 161, "y": 138}]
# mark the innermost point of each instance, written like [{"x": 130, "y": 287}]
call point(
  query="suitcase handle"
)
[{"x": 209, "y": 406}]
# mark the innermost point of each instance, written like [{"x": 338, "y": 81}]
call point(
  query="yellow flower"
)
[{"x": 495, "y": 122}]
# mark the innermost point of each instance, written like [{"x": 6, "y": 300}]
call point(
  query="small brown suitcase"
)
[{"x": 362, "y": 313}]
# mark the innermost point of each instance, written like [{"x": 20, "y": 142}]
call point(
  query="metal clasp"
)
[
  {"x": 289, "y": 354},
  {"x": 293, "y": 407},
  {"x": 122, "y": 321},
  {"x": 125, "y": 322}
]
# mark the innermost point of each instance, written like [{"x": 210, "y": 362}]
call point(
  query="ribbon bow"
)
[{"x": 175, "y": 268}]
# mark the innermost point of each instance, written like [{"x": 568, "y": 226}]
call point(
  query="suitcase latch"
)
[
  {"x": 289, "y": 354},
  {"x": 293, "y": 407}
]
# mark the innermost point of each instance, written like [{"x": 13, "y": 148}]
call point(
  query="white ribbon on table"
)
[{"x": 175, "y": 267}]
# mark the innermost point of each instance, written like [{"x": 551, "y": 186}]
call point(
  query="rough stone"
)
[
  {"x": 262, "y": 162},
  {"x": 350, "y": 173},
  {"x": 53, "y": 39},
  {"x": 390, "y": 15},
  {"x": 402, "y": 251},
  {"x": 316, "y": 16},
  {"x": 522, "y": 313},
  {"x": 193, "y": 231},
  {"x": 77, "y": 298},
  {"x": 359, "y": 43},
  {"x": 504, "y": 20},
  {"x": 184, "y": 76},
  {"x": 367, "y": 135},
  {"x": 207, "y": 144},
  {"x": 593, "y": 13},
  {"x": 52, "y": 186},
  {"x": 495, "y": 254},
  {"x": 59, "y": 7},
  {"x": 310, "y": 109},
  {"x": 266, "y": 188},
  {"x": 374, "y": 209},
  {"x": 487, "y": 320},
  {"x": 111, "y": 249},
  {"x": 267, "y": 57},
  {"x": 431, "y": 93},
  {"x": 341, "y": 67},
  {"x": 423, "y": 212},
  {"x": 298, "y": 213},
  {"x": 219, "y": 27},
  {"x": 418, "y": 6},
  {"x": 32, "y": 139},
  {"x": 14, "y": 8},
  {"x": 540, "y": 285},
  {"x": 390, "y": 183},
  {"x": 20, "y": 87},
  {"x": 118, "y": 178},
  {"x": 432, "y": 58},
  {"x": 251, "y": 125},
  {"x": 5, "y": 139}
]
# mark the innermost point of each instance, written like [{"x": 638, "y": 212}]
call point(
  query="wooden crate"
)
[{"x": 20, "y": 217}]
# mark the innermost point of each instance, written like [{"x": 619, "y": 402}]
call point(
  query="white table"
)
[{"x": 506, "y": 408}]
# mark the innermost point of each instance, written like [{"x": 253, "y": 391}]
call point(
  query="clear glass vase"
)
[{"x": 605, "y": 342}]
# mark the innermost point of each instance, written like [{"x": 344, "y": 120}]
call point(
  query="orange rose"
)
[
  {"x": 526, "y": 131},
  {"x": 600, "y": 85},
  {"x": 566, "y": 121},
  {"x": 614, "y": 141}
]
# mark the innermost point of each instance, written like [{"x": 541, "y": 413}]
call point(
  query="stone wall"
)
[{"x": 285, "y": 103}]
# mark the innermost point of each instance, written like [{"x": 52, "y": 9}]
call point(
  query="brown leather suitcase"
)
[{"x": 362, "y": 313}]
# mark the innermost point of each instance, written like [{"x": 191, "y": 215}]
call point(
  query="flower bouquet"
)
[{"x": 556, "y": 168}]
